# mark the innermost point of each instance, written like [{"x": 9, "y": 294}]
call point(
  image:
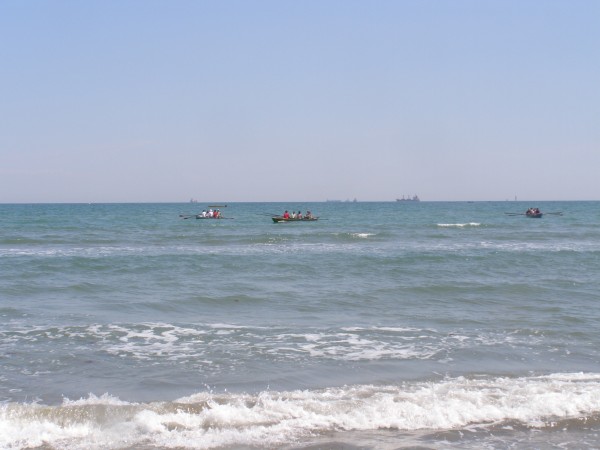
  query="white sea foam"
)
[
  {"x": 104, "y": 399},
  {"x": 459, "y": 225},
  {"x": 355, "y": 245},
  {"x": 68, "y": 252},
  {"x": 362, "y": 235},
  {"x": 270, "y": 419},
  {"x": 149, "y": 340},
  {"x": 192, "y": 344},
  {"x": 389, "y": 329},
  {"x": 353, "y": 347}
]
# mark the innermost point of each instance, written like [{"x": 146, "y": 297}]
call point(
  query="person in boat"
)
[
  {"x": 308, "y": 215},
  {"x": 286, "y": 214},
  {"x": 293, "y": 216},
  {"x": 299, "y": 215},
  {"x": 203, "y": 213},
  {"x": 210, "y": 213}
]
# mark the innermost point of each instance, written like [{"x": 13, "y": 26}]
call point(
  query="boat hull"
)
[
  {"x": 280, "y": 219},
  {"x": 535, "y": 215}
]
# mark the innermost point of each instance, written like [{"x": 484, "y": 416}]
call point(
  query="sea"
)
[{"x": 382, "y": 325}]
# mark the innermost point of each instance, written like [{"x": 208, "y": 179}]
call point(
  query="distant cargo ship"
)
[{"x": 415, "y": 198}]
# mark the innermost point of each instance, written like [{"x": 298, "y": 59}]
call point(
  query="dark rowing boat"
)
[
  {"x": 280, "y": 219},
  {"x": 534, "y": 213}
]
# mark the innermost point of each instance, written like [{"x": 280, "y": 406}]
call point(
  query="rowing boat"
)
[
  {"x": 281, "y": 219},
  {"x": 200, "y": 216},
  {"x": 534, "y": 215}
]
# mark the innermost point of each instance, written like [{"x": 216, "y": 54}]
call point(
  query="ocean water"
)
[{"x": 433, "y": 325}]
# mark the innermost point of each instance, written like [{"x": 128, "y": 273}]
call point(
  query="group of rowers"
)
[
  {"x": 210, "y": 214},
  {"x": 297, "y": 215},
  {"x": 533, "y": 211}
]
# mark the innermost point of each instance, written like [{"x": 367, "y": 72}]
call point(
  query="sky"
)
[{"x": 242, "y": 101}]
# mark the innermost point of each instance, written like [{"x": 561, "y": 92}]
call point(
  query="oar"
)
[
  {"x": 187, "y": 216},
  {"x": 515, "y": 214},
  {"x": 556, "y": 213}
]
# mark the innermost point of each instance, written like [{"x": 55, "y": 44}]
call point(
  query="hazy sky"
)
[{"x": 141, "y": 101}]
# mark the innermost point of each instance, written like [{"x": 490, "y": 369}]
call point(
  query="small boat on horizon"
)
[{"x": 414, "y": 198}]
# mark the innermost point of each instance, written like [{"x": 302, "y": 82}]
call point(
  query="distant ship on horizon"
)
[{"x": 414, "y": 198}]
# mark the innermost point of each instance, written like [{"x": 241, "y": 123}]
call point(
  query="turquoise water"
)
[{"x": 381, "y": 325}]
